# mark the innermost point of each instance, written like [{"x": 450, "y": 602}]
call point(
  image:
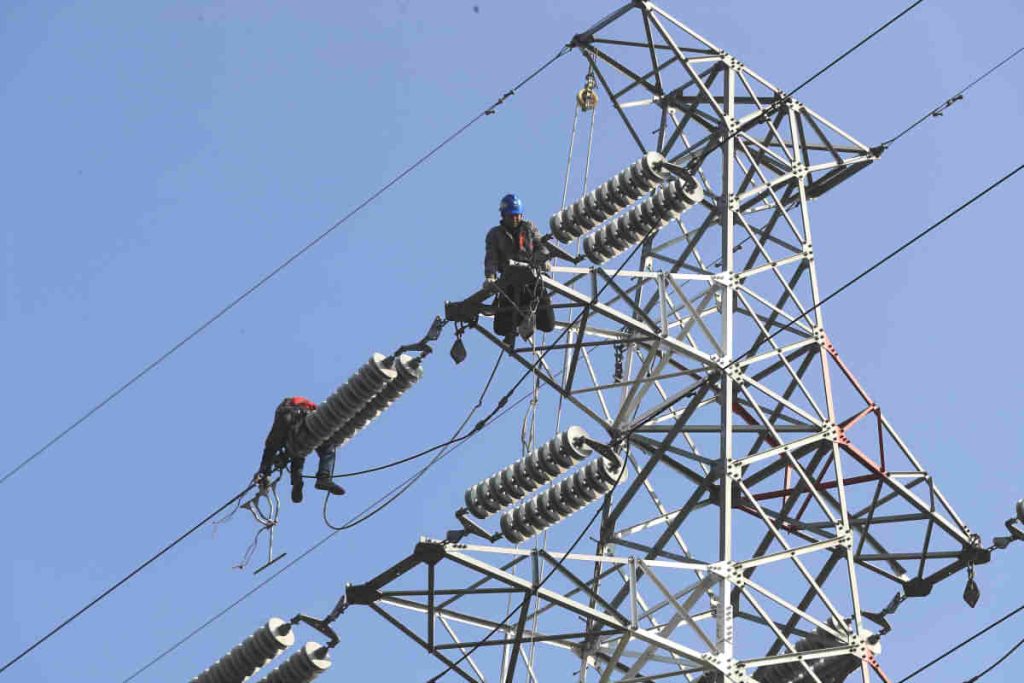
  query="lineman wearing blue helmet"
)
[{"x": 517, "y": 240}]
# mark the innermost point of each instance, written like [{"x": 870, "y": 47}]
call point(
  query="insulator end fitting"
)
[
  {"x": 252, "y": 654},
  {"x": 303, "y": 666}
]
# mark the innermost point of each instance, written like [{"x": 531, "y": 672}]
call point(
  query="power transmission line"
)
[
  {"x": 355, "y": 521},
  {"x": 955, "y": 97},
  {"x": 530, "y": 370},
  {"x": 125, "y": 580},
  {"x": 365, "y": 514},
  {"x": 838, "y": 291},
  {"x": 962, "y": 643},
  {"x": 772, "y": 108},
  {"x": 287, "y": 262},
  {"x": 987, "y": 670},
  {"x": 937, "y": 111},
  {"x": 892, "y": 254},
  {"x": 864, "y": 273}
]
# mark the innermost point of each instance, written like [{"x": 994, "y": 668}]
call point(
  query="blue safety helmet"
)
[{"x": 511, "y": 206}]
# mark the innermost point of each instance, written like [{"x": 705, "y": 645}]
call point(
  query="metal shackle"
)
[
  {"x": 582, "y": 487},
  {"x": 662, "y": 207},
  {"x": 540, "y": 466},
  {"x": 409, "y": 372},
  {"x": 303, "y": 666},
  {"x": 252, "y": 654},
  {"x": 342, "y": 405},
  {"x": 609, "y": 198}
]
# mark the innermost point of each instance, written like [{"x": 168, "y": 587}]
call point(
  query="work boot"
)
[
  {"x": 296, "y": 475},
  {"x": 328, "y": 485}
]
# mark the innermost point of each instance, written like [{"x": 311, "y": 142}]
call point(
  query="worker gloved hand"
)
[{"x": 489, "y": 282}]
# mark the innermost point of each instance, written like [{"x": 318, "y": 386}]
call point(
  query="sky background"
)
[{"x": 158, "y": 158}]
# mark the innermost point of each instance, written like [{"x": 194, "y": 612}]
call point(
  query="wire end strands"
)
[
  {"x": 341, "y": 406},
  {"x": 517, "y": 480},
  {"x": 609, "y": 198},
  {"x": 303, "y": 666},
  {"x": 584, "y": 486},
  {"x": 660, "y": 209},
  {"x": 252, "y": 654},
  {"x": 409, "y": 371}
]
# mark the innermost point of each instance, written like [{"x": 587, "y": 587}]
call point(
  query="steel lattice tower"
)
[{"x": 769, "y": 503}]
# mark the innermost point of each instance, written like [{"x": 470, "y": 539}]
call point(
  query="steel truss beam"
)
[{"x": 768, "y": 493}]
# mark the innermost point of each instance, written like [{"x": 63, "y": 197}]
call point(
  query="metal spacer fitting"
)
[
  {"x": 734, "y": 470},
  {"x": 808, "y": 252},
  {"x": 727, "y": 278},
  {"x": 732, "y": 62},
  {"x": 719, "y": 362},
  {"x": 799, "y": 169},
  {"x": 735, "y": 373}
]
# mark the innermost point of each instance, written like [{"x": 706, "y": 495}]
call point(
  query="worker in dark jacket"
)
[
  {"x": 522, "y": 301},
  {"x": 289, "y": 415}
]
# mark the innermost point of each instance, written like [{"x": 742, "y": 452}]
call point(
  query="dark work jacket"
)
[
  {"x": 522, "y": 243},
  {"x": 288, "y": 415}
]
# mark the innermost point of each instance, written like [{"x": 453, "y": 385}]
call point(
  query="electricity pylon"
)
[{"x": 760, "y": 502}]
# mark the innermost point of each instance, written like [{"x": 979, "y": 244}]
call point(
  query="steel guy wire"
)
[
  {"x": 365, "y": 514},
  {"x": 125, "y": 579},
  {"x": 282, "y": 266},
  {"x": 958, "y": 95},
  {"x": 962, "y": 643}
]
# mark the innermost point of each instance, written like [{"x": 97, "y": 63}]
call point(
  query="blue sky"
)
[{"x": 158, "y": 158}]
